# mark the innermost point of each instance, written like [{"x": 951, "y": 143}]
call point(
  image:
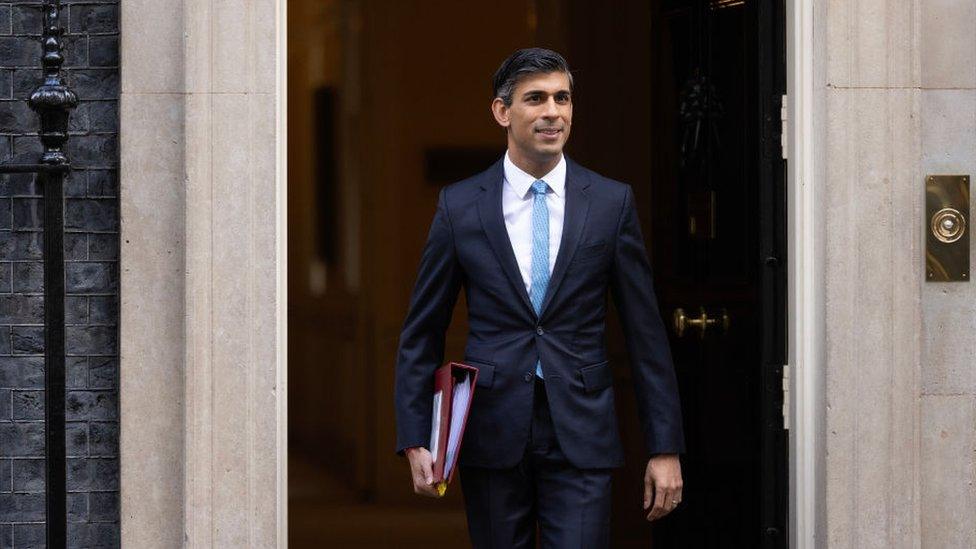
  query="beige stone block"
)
[
  {"x": 872, "y": 299},
  {"x": 151, "y": 324},
  {"x": 199, "y": 176},
  {"x": 151, "y": 46},
  {"x": 839, "y": 37},
  {"x": 907, "y": 206},
  {"x": 948, "y": 131},
  {"x": 949, "y": 310},
  {"x": 199, "y": 303},
  {"x": 264, "y": 46},
  {"x": 232, "y": 308},
  {"x": 198, "y": 55},
  {"x": 232, "y": 46},
  {"x": 872, "y": 43},
  {"x": 947, "y": 43},
  {"x": 263, "y": 324},
  {"x": 232, "y": 264},
  {"x": 948, "y": 471},
  {"x": 841, "y": 399},
  {"x": 949, "y": 323}
]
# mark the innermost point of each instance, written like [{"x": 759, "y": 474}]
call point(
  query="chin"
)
[{"x": 550, "y": 150}]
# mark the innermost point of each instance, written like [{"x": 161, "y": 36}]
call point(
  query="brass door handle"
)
[{"x": 682, "y": 322}]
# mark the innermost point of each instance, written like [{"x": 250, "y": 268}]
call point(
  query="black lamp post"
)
[{"x": 53, "y": 102}]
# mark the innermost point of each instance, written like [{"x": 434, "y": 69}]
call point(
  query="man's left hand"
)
[{"x": 662, "y": 485}]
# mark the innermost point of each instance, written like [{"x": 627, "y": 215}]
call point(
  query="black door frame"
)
[{"x": 773, "y": 279}]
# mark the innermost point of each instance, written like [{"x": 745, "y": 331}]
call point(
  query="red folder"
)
[{"x": 453, "y": 393}]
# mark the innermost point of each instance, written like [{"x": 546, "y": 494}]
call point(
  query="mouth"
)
[{"x": 551, "y": 133}]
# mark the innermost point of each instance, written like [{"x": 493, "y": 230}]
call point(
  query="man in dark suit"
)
[{"x": 536, "y": 241}]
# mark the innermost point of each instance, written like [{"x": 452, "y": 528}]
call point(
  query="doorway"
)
[{"x": 679, "y": 98}]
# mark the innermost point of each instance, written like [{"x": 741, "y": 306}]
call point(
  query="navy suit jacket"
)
[{"x": 601, "y": 248}]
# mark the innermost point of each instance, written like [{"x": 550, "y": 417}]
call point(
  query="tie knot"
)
[{"x": 539, "y": 186}]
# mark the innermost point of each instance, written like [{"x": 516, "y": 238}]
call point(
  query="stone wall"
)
[
  {"x": 899, "y": 86},
  {"x": 202, "y": 275},
  {"x": 91, "y": 252},
  {"x": 947, "y": 391}
]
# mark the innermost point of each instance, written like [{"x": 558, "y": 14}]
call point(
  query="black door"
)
[
  {"x": 681, "y": 99},
  {"x": 718, "y": 250}
]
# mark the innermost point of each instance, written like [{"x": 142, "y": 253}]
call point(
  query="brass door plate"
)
[{"x": 947, "y": 228}]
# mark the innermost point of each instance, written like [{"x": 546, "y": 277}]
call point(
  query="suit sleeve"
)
[
  {"x": 421, "y": 345},
  {"x": 655, "y": 383}
]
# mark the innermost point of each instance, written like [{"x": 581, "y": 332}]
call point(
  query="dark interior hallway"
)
[{"x": 389, "y": 101}]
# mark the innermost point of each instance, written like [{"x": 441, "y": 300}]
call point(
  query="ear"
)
[{"x": 501, "y": 112}]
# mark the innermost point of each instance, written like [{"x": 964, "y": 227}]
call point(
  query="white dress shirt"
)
[{"x": 517, "y": 201}]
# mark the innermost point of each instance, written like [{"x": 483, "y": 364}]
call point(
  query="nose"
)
[{"x": 551, "y": 111}]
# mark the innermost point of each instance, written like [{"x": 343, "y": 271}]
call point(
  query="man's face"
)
[{"x": 540, "y": 116}]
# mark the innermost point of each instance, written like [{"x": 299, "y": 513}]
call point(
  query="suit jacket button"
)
[
  {"x": 539, "y": 330},
  {"x": 528, "y": 377}
]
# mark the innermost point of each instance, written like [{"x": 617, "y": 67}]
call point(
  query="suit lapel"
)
[
  {"x": 493, "y": 223},
  {"x": 574, "y": 219}
]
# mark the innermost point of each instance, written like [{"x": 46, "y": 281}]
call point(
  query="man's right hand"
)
[{"x": 421, "y": 469}]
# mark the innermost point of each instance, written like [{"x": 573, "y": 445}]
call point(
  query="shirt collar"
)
[{"x": 521, "y": 181}]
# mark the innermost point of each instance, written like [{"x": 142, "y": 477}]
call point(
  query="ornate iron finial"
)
[{"x": 52, "y": 100}]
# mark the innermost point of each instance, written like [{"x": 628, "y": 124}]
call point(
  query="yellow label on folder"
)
[{"x": 441, "y": 488}]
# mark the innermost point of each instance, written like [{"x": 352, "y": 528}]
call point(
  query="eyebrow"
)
[{"x": 543, "y": 92}]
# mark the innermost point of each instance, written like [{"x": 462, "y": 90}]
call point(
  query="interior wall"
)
[
  {"x": 611, "y": 126},
  {"x": 325, "y": 331},
  {"x": 412, "y": 76}
]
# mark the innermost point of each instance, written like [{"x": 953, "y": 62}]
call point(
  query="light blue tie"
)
[{"x": 540, "y": 251}]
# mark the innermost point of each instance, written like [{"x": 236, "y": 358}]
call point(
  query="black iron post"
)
[{"x": 53, "y": 101}]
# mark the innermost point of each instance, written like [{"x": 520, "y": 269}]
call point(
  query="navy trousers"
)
[{"x": 570, "y": 506}]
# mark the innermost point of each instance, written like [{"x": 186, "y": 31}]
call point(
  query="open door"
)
[
  {"x": 719, "y": 256},
  {"x": 681, "y": 99}
]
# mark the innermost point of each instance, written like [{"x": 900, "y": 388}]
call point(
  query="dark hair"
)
[{"x": 523, "y": 62}]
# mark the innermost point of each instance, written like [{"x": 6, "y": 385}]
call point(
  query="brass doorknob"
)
[{"x": 682, "y": 322}]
